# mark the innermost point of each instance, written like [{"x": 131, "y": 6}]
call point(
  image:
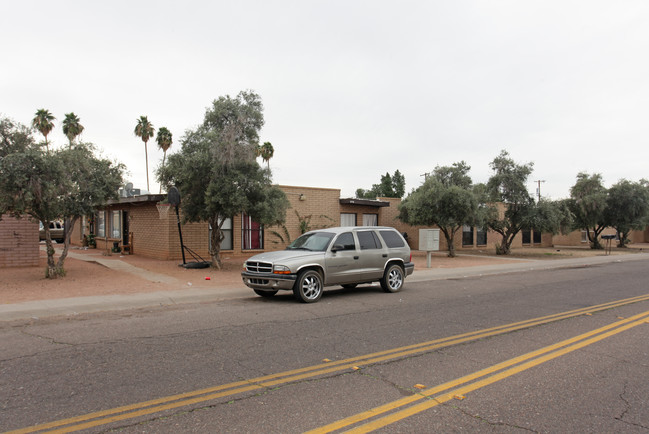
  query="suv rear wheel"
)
[
  {"x": 308, "y": 287},
  {"x": 392, "y": 280}
]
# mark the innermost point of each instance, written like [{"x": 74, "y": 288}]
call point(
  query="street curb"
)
[{"x": 77, "y": 305}]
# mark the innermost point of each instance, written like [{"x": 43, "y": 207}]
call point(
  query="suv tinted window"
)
[
  {"x": 392, "y": 239},
  {"x": 368, "y": 240},
  {"x": 346, "y": 240}
]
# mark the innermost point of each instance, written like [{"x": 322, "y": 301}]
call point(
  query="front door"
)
[{"x": 341, "y": 266}]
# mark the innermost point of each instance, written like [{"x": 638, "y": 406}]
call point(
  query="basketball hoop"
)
[{"x": 163, "y": 210}]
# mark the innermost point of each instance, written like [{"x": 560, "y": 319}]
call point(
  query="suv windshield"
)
[{"x": 316, "y": 241}]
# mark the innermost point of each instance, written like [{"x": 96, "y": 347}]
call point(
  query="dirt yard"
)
[{"x": 87, "y": 278}]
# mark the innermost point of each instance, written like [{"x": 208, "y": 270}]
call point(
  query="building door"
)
[{"x": 125, "y": 240}]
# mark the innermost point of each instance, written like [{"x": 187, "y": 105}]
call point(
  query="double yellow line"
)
[
  {"x": 195, "y": 397},
  {"x": 459, "y": 387}
]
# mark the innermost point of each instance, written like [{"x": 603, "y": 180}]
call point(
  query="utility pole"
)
[{"x": 538, "y": 189}]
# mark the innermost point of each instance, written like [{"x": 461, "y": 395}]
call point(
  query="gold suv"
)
[{"x": 345, "y": 256}]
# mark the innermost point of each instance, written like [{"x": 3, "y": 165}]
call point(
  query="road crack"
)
[
  {"x": 487, "y": 421},
  {"x": 48, "y": 339},
  {"x": 627, "y": 408}
]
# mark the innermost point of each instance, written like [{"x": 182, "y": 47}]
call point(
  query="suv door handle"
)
[
  {"x": 385, "y": 255},
  {"x": 355, "y": 257}
]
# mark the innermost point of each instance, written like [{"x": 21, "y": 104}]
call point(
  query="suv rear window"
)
[
  {"x": 392, "y": 239},
  {"x": 368, "y": 240}
]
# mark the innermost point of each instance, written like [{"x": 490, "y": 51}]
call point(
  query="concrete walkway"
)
[
  {"x": 77, "y": 305},
  {"x": 123, "y": 267}
]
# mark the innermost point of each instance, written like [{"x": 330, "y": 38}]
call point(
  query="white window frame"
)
[
  {"x": 370, "y": 219},
  {"x": 347, "y": 219},
  {"x": 116, "y": 224},
  {"x": 101, "y": 224}
]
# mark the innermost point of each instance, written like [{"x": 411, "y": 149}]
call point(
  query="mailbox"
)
[{"x": 429, "y": 240}]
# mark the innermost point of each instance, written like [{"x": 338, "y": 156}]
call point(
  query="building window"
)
[
  {"x": 101, "y": 224},
  {"x": 252, "y": 234},
  {"x": 226, "y": 230},
  {"x": 527, "y": 236},
  {"x": 347, "y": 219},
  {"x": 536, "y": 237},
  {"x": 115, "y": 224},
  {"x": 481, "y": 237},
  {"x": 370, "y": 219},
  {"x": 467, "y": 235},
  {"x": 584, "y": 236}
]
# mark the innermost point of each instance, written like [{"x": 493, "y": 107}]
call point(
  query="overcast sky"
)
[{"x": 351, "y": 89}]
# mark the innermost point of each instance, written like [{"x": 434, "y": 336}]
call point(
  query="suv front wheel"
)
[
  {"x": 392, "y": 280},
  {"x": 308, "y": 287}
]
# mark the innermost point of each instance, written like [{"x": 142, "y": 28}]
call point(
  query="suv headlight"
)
[{"x": 281, "y": 269}]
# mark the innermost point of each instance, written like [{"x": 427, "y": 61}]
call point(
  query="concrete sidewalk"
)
[{"x": 77, "y": 305}]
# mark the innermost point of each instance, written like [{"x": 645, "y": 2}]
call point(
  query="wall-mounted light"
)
[{"x": 302, "y": 197}]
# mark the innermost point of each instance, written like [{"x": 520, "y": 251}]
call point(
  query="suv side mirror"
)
[{"x": 337, "y": 248}]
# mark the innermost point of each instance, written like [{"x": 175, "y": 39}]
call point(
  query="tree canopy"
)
[
  {"x": 62, "y": 184},
  {"x": 624, "y": 206},
  {"x": 445, "y": 199},
  {"x": 72, "y": 127},
  {"x": 390, "y": 186},
  {"x": 588, "y": 206},
  {"x": 627, "y": 207},
  {"x": 507, "y": 188},
  {"x": 144, "y": 130},
  {"x": 44, "y": 122},
  {"x": 266, "y": 152},
  {"x": 216, "y": 173}
]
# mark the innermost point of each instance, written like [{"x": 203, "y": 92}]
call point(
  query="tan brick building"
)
[
  {"x": 18, "y": 242},
  {"x": 149, "y": 228}
]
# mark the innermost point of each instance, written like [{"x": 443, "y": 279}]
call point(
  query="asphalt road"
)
[{"x": 563, "y": 350}]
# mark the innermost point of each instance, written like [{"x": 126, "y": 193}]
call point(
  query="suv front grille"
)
[{"x": 259, "y": 267}]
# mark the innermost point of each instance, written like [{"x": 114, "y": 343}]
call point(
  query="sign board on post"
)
[{"x": 429, "y": 242}]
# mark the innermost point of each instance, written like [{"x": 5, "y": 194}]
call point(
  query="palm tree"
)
[
  {"x": 71, "y": 127},
  {"x": 144, "y": 129},
  {"x": 266, "y": 152},
  {"x": 164, "y": 139},
  {"x": 43, "y": 122}
]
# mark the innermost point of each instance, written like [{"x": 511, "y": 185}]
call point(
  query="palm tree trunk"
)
[
  {"x": 164, "y": 156},
  {"x": 146, "y": 158}
]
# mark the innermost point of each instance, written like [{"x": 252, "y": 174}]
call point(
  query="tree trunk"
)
[
  {"x": 51, "y": 272},
  {"x": 215, "y": 242},
  {"x": 624, "y": 239},
  {"x": 594, "y": 238},
  {"x": 146, "y": 158},
  {"x": 505, "y": 248},
  {"x": 449, "y": 234},
  {"x": 66, "y": 245}
]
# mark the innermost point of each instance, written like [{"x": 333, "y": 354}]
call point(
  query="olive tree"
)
[
  {"x": 588, "y": 203},
  {"x": 48, "y": 186},
  {"x": 512, "y": 207},
  {"x": 627, "y": 207},
  {"x": 446, "y": 199},
  {"x": 216, "y": 173}
]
